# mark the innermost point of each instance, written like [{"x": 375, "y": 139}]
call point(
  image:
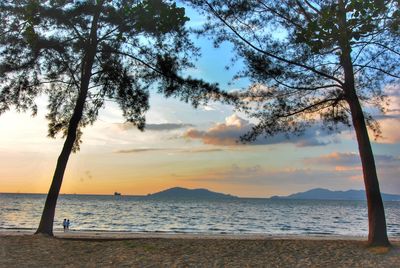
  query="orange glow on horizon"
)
[{"x": 347, "y": 168}]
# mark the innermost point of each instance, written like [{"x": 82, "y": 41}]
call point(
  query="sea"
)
[{"x": 237, "y": 216}]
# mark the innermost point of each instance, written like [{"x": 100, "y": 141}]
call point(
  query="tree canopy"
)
[
  {"x": 292, "y": 53},
  {"x": 313, "y": 61},
  {"x": 82, "y": 53},
  {"x": 138, "y": 45}
]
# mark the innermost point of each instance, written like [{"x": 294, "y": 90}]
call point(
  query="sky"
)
[{"x": 193, "y": 148}]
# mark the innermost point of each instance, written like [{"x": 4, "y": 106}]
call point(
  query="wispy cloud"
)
[
  {"x": 172, "y": 150},
  {"x": 335, "y": 158},
  {"x": 156, "y": 127},
  {"x": 287, "y": 179},
  {"x": 167, "y": 126},
  {"x": 294, "y": 179},
  {"x": 140, "y": 150},
  {"x": 348, "y": 160},
  {"x": 202, "y": 150}
]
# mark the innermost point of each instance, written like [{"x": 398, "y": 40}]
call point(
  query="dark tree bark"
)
[
  {"x": 377, "y": 235},
  {"x": 47, "y": 219}
]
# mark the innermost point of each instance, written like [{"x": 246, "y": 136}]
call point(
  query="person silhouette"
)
[{"x": 65, "y": 224}]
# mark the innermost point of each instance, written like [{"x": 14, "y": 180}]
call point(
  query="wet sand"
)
[{"x": 98, "y": 249}]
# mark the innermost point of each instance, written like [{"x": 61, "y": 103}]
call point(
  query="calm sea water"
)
[{"x": 244, "y": 216}]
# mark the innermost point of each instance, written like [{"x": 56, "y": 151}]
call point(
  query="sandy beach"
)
[{"x": 108, "y": 249}]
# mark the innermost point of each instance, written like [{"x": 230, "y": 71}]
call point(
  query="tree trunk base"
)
[
  {"x": 379, "y": 243},
  {"x": 43, "y": 234}
]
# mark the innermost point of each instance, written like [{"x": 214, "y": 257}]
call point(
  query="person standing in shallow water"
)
[{"x": 65, "y": 224}]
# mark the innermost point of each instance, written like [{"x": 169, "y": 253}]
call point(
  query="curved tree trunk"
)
[
  {"x": 377, "y": 235},
  {"x": 47, "y": 219}
]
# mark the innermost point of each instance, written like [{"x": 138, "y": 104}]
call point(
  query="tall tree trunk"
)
[
  {"x": 47, "y": 219},
  {"x": 377, "y": 234}
]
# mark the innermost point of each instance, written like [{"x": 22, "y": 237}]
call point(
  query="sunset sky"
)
[{"x": 194, "y": 148}]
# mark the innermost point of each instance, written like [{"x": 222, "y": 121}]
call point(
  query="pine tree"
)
[
  {"x": 83, "y": 53},
  {"x": 313, "y": 61}
]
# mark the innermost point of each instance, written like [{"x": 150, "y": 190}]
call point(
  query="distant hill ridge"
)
[
  {"x": 183, "y": 193},
  {"x": 177, "y": 193},
  {"x": 325, "y": 194}
]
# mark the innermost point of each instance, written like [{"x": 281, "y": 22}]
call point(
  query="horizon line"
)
[{"x": 133, "y": 195}]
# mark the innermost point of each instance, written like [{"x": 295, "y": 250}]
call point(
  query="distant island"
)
[
  {"x": 325, "y": 194},
  {"x": 179, "y": 193}
]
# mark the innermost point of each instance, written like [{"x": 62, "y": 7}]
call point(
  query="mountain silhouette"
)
[
  {"x": 177, "y": 193},
  {"x": 325, "y": 194}
]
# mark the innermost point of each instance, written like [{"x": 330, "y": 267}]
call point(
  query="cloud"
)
[
  {"x": 349, "y": 160},
  {"x": 226, "y": 133},
  {"x": 156, "y": 127},
  {"x": 284, "y": 179},
  {"x": 295, "y": 179},
  {"x": 347, "y": 168},
  {"x": 173, "y": 150},
  {"x": 208, "y": 108},
  {"x": 166, "y": 126},
  {"x": 390, "y": 121},
  {"x": 348, "y": 165},
  {"x": 202, "y": 150},
  {"x": 392, "y": 90},
  {"x": 231, "y": 174},
  {"x": 310, "y": 142},
  {"x": 335, "y": 158},
  {"x": 229, "y": 133},
  {"x": 140, "y": 150},
  {"x": 390, "y": 130}
]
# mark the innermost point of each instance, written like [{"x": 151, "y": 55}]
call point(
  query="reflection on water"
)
[{"x": 243, "y": 216}]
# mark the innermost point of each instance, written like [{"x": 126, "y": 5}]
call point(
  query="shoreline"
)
[{"x": 118, "y": 235}]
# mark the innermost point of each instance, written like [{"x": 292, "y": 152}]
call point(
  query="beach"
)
[{"x": 113, "y": 249}]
